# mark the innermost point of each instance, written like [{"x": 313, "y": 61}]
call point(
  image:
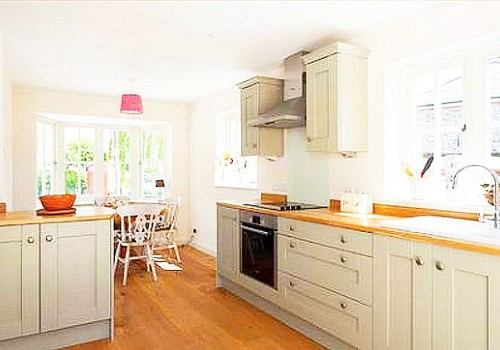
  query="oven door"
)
[{"x": 258, "y": 253}]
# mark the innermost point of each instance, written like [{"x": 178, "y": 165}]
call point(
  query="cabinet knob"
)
[
  {"x": 49, "y": 238},
  {"x": 291, "y": 284},
  {"x": 308, "y": 139},
  {"x": 343, "y": 305},
  {"x": 440, "y": 265},
  {"x": 343, "y": 259},
  {"x": 31, "y": 240},
  {"x": 292, "y": 228},
  {"x": 343, "y": 239},
  {"x": 419, "y": 261},
  {"x": 254, "y": 145},
  {"x": 292, "y": 245}
]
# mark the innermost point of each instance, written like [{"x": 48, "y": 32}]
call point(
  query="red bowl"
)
[{"x": 53, "y": 202}]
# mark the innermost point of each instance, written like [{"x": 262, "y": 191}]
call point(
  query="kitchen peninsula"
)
[{"x": 56, "y": 278}]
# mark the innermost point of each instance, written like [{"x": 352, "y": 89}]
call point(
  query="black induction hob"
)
[{"x": 285, "y": 206}]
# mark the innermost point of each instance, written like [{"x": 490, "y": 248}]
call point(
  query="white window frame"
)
[
  {"x": 136, "y": 144},
  {"x": 400, "y": 76},
  {"x": 54, "y": 156}
]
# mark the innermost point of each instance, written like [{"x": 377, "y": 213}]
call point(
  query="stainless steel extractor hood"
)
[{"x": 292, "y": 112}]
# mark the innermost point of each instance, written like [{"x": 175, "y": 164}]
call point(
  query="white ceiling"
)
[{"x": 175, "y": 50}]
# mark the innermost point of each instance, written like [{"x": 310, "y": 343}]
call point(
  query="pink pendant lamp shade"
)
[{"x": 131, "y": 104}]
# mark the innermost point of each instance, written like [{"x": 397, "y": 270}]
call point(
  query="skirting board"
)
[
  {"x": 300, "y": 325},
  {"x": 61, "y": 338},
  {"x": 203, "y": 249}
]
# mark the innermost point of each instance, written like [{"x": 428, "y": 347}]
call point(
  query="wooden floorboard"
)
[{"x": 184, "y": 310}]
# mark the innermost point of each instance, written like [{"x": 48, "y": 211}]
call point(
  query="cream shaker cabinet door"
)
[
  {"x": 466, "y": 300},
  {"x": 258, "y": 95},
  {"x": 249, "y": 111},
  {"x": 19, "y": 281},
  {"x": 321, "y": 104},
  {"x": 75, "y": 273},
  {"x": 402, "y": 294},
  {"x": 227, "y": 242}
]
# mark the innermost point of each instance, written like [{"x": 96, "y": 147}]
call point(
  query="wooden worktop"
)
[
  {"x": 365, "y": 223},
  {"x": 85, "y": 213}
]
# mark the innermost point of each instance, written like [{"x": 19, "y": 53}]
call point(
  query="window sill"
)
[{"x": 252, "y": 188}]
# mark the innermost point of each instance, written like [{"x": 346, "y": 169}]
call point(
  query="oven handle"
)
[{"x": 254, "y": 230}]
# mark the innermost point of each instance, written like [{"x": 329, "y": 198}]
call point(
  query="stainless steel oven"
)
[{"x": 258, "y": 253}]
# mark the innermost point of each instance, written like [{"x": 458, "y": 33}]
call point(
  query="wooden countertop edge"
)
[
  {"x": 315, "y": 216},
  {"x": 30, "y": 217}
]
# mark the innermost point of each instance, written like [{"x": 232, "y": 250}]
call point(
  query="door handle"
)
[
  {"x": 439, "y": 265},
  {"x": 419, "y": 261}
]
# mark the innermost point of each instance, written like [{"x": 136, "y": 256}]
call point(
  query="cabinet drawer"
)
[
  {"x": 68, "y": 229},
  {"x": 342, "y": 317},
  {"x": 351, "y": 240},
  {"x": 343, "y": 272},
  {"x": 10, "y": 234}
]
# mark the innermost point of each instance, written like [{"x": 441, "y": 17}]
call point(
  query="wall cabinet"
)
[
  {"x": 440, "y": 298},
  {"x": 54, "y": 276},
  {"x": 257, "y": 96},
  {"x": 336, "y": 95},
  {"x": 227, "y": 242}
]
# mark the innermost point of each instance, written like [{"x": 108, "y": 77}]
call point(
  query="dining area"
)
[{"x": 144, "y": 235}]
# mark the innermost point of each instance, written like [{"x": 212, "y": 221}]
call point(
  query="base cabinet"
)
[
  {"x": 53, "y": 276},
  {"x": 75, "y": 278},
  {"x": 19, "y": 281},
  {"x": 227, "y": 242},
  {"x": 334, "y": 313},
  {"x": 432, "y": 297}
]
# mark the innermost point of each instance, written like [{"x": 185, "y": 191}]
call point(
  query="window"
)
[
  {"x": 231, "y": 169},
  {"x": 449, "y": 107},
  {"x": 103, "y": 159},
  {"x": 153, "y": 161},
  {"x": 493, "y": 123},
  {"x": 117, "y": 153},
  {"x": 45, "y": 158},
  {"x": 79, "y": 155},
  {"x": 438, "y": 108}
]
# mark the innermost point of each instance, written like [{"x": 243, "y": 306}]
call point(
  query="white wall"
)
[
  {"x": 203, "y": 192},
  {"x": 27, "y": 102},
  {"x": 3, "y": 128}
]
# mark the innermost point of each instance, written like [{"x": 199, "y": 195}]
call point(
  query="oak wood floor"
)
[{"x": 184, "y": 310}]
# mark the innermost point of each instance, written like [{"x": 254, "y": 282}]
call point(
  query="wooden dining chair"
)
[
  {"x": 164, "y": 234},
  {"x": 137, "y": 225}
]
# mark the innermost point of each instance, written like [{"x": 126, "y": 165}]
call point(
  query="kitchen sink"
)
[{"x": 465, "y": 230}]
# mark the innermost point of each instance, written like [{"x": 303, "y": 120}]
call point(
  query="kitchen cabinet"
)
[
  {"x": 325, "y": 277},
  {"x": 336, "y": 314},
  {"x": 336, "y": 99},
  {"x": 75, "y": 273},
  {"x": 340, "y": 271},
  {"x": 227, "y": 242},
  {"x": 55, "y": 277},
  {"x": 19, "y": 278},
  {"x": 440, "y": 298},
  {"x": 257, "y": 96}
]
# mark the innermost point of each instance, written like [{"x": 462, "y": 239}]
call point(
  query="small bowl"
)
[{"x": 53, "y": 202}]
